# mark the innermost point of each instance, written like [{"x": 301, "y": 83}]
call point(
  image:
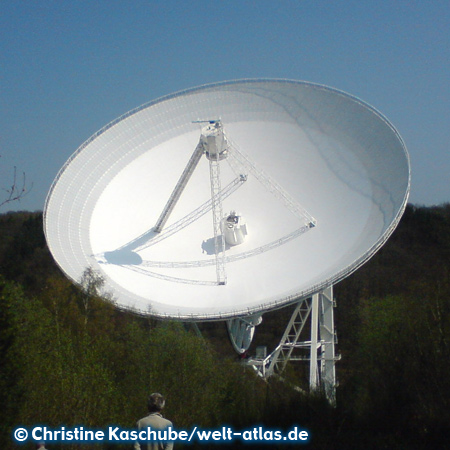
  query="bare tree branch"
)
[{"x": 17, "y": 191}]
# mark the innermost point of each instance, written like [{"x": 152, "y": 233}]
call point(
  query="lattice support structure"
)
[
  {"x": 318, "y": 350},
  {"x": 219, "y": 241},
  {"x": 241, "y": 164},
  {"x": 179, "y": 188},
  {"x": 328, "y": 340}
]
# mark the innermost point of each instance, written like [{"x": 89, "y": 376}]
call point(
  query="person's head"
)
[{"x": 156, "y": 402}]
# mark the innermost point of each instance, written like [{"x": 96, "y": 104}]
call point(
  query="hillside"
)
[{"x": 393, "y": 323}]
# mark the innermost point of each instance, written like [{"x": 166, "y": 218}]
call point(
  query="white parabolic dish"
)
[{"x": 334, "y": 155}]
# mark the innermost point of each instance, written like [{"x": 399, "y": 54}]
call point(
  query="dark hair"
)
[{"x": 156, "y": 402}]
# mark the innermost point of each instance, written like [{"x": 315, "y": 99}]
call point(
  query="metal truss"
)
[
  {"x": 219, "y": 240},
  {"x": 152, "y": 239},
  {"x": 146, "y": 266},
  {"x": 241, "y": 163},
  {"x": 179, "y": 188},
  {"x": 216, "y": 146},
  {"x": 228, "y": 259},
  {"x": 319, "y": 350}
]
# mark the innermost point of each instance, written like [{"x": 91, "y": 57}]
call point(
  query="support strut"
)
[
  {"x": 318, "y": 350},
  {"x": 179, "y": 188}
]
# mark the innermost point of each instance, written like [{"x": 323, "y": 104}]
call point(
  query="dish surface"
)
[{"x": 299, "y": 152}]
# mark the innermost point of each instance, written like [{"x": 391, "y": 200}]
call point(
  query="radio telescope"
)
[{"x": 231, "y": 199}]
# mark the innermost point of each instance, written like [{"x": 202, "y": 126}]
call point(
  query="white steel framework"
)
[
  {"x": 215, "y": 145},
  {"x": 179, "y": 188},
  {"x": 318, "y": 350},
  {"x": 219, "y": 241}
]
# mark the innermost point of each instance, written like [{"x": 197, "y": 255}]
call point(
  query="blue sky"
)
[{"x": 68, "y": 68}]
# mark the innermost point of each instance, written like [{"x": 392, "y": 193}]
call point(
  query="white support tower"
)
[
  {"x": 216, "y": 147},
  {"x": 328, "y": 340},
  {"x": 219, "y": 240},
  {"x": 318, "y": 350}
]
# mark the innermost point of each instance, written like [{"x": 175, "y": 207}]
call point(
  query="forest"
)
[{"x": 69, "y": 357}]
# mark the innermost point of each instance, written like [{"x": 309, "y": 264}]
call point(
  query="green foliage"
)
[
  {"x": 68, "y": 356},
  {"x": 10, "y": 369},
  {"x": 401, "y": 381},
  {"x": 96, "y": 366},
  {"x": 61, "y": 376},
  {"x": 24, "y": 256}
]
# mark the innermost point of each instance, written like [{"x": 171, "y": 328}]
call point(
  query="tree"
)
[
  {"x": 403, "y": 363},
  {"x": 10, "y": 393},
  {"x": 17, "y": 190}
]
